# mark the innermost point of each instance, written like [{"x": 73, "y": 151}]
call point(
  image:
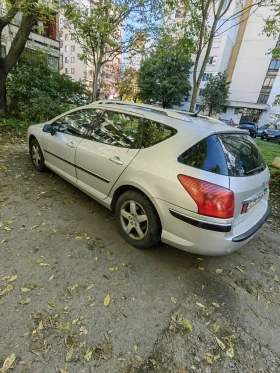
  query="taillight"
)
[{"x": 211, "y": 199}]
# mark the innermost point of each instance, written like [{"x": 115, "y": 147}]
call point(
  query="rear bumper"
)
[
  {"x": 254, "y": 229},
  {"x": 187, "y": 231}
]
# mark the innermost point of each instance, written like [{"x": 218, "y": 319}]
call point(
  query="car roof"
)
[{"x": 167, "y": 116}]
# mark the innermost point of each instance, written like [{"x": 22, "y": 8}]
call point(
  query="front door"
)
[
  {"x": 60, "y": 148},
  {"x": 114, "y": 141}
]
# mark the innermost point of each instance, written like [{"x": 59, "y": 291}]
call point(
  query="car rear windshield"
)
[{"x": 225, "y": 154}]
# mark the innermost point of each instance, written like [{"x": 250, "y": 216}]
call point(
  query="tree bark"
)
[{"x": 3, "y": 93}]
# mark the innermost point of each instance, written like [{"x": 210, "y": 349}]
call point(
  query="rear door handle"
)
[
  {"x": 116, "y": 160},
  {"x": 70, "y": 144}
]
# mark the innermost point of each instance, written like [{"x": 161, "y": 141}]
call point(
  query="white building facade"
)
[{"x": 242, "y": 48}]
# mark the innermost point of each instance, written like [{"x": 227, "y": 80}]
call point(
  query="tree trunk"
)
[
  {"x": 194, "y": 94},
  {"x": 3, "y": 92}
]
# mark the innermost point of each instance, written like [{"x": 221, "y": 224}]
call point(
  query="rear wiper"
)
[{"x": 261, "y": 167}]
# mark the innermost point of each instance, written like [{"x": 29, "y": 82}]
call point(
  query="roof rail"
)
[{"x": 169, "y": 112}]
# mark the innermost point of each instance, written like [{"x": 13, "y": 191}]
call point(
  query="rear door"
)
[
  {"x": 249, "y": 175},
  {"x": 113, "y": 142}
]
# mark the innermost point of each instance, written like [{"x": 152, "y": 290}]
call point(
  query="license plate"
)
[{"x": 257, "y": 199}]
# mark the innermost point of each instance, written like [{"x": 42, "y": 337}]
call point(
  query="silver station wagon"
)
[{"x": 190, "y": 182}]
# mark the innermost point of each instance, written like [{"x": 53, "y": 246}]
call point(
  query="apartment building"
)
[
  {"x": 241, "y": 49},
  {"x": 44, "y": 37}
]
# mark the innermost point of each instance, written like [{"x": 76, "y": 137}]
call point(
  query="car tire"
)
[
  {"x": 137, "y": 220},
  {"x": 262, "y": 137},
  {"x": 37, "y": 157}
]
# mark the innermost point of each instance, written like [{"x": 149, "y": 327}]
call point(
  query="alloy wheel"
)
[
  {"x": 134, "y": 220},
  {"x": 36, "y": 156}
]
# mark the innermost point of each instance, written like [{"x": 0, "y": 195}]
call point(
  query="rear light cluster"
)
[{"x": 211, "y": 199}]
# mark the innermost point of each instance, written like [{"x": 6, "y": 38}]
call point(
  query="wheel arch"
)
[{"x": 126, "y": 187}]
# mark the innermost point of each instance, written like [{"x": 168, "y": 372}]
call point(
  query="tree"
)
[
  {"x": 36, "y": 92},
  {"x": 125, "y": 83},
  {"x": 8, "y": 11},
  {"x": 99, "y": 29},
  {"x": 215, "y": 94},
  {"x": 164, "y": 76}
]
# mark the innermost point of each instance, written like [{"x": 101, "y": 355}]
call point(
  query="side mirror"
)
[{"x": 49, "y": 129}]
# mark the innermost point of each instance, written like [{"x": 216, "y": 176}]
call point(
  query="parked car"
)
[
  {"x": 251, "y": 127},
  {"x": 166, "y": 176},
  {"x": 272, "y": 133},
  {"x": 261, "y": 129}
]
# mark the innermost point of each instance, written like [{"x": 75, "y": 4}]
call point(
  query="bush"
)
[{"x": 37, "y": 93}]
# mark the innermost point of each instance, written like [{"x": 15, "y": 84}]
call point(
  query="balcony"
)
[{"x": 36, "y": 40}]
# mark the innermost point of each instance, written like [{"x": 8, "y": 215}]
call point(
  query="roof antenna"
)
[{"x": 195, "y": 114}]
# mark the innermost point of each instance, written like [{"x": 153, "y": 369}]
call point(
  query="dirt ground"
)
[{"x": 167, "y": 310}]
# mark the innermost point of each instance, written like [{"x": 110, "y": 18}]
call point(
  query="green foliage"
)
[
  {"x": 36, "y": 92},
  {"x": 164, "y": 76},
  {"x": 215, "y": 94},
  {"x": 125, "y": 83}
]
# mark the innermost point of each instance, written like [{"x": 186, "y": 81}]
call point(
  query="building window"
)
[
  {"x": 200, "y": 92},
  {"x": 72, "y": 36},
  {"x": 72, "y": 59},
  {"x": 197, "y": 107},
  {"x": 236, "y": 111},
  {"x": 212, "y": 60},
  {"x": 72, "y": 48},
  {"x": 263, "y": 98},
  {"x": 66, "y": 36},
  {"x": 224, "y": 109},
  {"x": 66, "y": 48},
  {"x": 66, "y": 70},
  {"x": 206, "y": 76},
  {"x": 274, "y": 65},
  {"x": 3, "y": 51},
  {"x": 72, "y": 71},
  {"x": 216, "y": 42},
  {"x": 66, "y": 59},
  {"x": 117, "y": 60},
  {"x": 268, "y": 82}
]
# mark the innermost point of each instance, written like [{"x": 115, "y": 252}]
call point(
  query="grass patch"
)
[{"x": 271, "y": 150}]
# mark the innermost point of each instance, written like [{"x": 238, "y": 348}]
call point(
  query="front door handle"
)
[
  {"x": 71, "y": 144},
  {"x": 116, "y": 160}
]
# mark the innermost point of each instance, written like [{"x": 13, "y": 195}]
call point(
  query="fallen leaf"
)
[
  {"x": 7, "y": 290},
  {"x": 219, "y": 270},
  {"x": 201, "y": 268},
  {"x": 90, "y": 287},
  {"x": 230, "y": 352},
  {"x": 215, "y": 304},
  {"x": 52, "y": 276},
  {"x": 173, "y": 300},
  {"x": 29, "y": 287},
  {"x": 5, "y": 239},
  {"x": 69, "y": 354},
  {"x": 41, "y": 325},
  {"x": 78, "y": 238},
  {"x": 111, "y": 269},
  {"x": 221, "y": 344},
  {"x": 9, "y": 361},
  {"x": 240, "y": 269},
  {"x": 63, "y": 326},
  {"x": 83, "y": 330},
  {"x": 7, "y": 229},
  {"x": 187, "y": 324},
  {"x": 13, "y": 278},
  {"x": 74, "y": 287},
  {"x": 107, "y": 300},
  {"x": 88, "y": 355},
  {"x": 34, "y": 226},
  {"x": 62, "y": 371},
  {"x": 215, "y": 327},
  {"x": 25, "y": 301},
  {"x": 52, "y": 304},
  {"x": 124, "y": 265},
  {"x": 275, "y": 278},
  {"x": 44, "y": 265},
  {"x": 200, "y": 305}
]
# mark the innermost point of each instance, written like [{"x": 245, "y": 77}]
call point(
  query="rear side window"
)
[
  {"x": 242, "y": 155},
  {"x": 225, "y": 154},
  {"x": 206, "y": 155},
  {"x": 154, "y": 133}
]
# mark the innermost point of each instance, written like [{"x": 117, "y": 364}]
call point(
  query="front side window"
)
[
  {"x": 118, "y": 129},
  {"x": 76, "y": 123}
]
